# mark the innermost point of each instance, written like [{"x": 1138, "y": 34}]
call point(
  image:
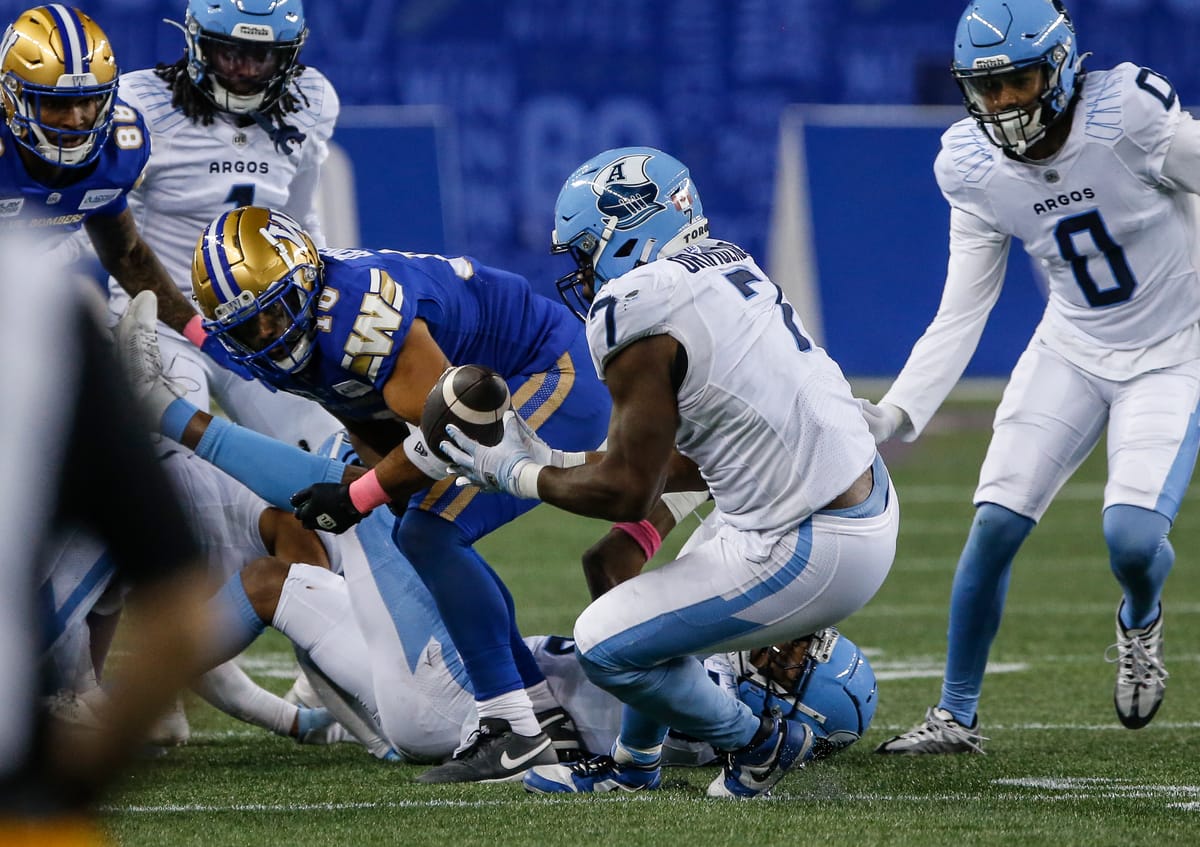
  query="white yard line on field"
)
[{"x": 1025, "y": 789}]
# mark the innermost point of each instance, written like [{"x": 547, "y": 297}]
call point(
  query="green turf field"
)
[{"x": 1060, "y": 770}]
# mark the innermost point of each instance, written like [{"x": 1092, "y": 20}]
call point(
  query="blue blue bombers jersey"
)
[
  {"x": 102, "y": 189},
  {"x": 369, "y": 300}
]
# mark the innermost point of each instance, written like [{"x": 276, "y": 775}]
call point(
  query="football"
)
[{"x": 473, "y": 398}]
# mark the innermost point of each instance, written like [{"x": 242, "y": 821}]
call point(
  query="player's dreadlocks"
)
[{"x": 189, "y": 99}]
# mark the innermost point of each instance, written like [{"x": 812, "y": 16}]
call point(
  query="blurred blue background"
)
[{"x": 524, "y": 90}]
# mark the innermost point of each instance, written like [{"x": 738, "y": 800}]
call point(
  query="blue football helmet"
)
[
  {"x": 998, "y": 38},
  {"x": 256, "y": 275},
  {"x": 823, "y": 680},
  {"x": 621, "y": 209},
  {"x": 259, "y": 40}
]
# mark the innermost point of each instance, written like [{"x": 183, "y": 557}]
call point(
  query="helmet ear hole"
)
[{"x": 625, "y": 249}]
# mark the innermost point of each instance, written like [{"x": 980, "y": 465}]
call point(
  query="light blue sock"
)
[
  {"x": 271, "y": 469},
  {"x": 1141, "y": 557},
  {"x": 236, "y": 624},
  {"x": 641, "y": 737},
  {"x": 977, "y": 602}
]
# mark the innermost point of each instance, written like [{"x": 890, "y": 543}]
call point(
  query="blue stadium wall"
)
[{"x": 503, "y": 99}]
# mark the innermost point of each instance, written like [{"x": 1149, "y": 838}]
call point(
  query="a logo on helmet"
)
[
  {"x": 624, "y": 192},
  {"x": 253, "y": 32},
  {"x": 991, "y": 62},
  {"x": 226, "y": 312},
  {"x": 280, "y": 229}
]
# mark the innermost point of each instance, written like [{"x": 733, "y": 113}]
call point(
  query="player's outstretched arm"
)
[{"x": 336, "y": 508}]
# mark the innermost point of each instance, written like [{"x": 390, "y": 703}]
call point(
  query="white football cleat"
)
[
  {"x": 1141, "y": 675},
  {"x": 140, "y": 356},
  {"x": 938, "y": 734}
]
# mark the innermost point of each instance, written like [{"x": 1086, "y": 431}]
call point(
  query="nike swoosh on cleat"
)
[{"x": 513, "y": 764}]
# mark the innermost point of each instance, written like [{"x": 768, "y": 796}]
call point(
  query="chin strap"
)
[{"x": 283, "y": 135}]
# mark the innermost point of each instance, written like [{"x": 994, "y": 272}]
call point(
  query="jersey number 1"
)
[{"x": 241, "y": 195}]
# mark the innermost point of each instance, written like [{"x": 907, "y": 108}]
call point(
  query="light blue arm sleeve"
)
[{"x": 271, "y": 469}]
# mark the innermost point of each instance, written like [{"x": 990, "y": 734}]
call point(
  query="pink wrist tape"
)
[
  {"x": 194, "y": 330},
  {"x": 644, "y": 533},
  {"x": 366, "y": 493}
]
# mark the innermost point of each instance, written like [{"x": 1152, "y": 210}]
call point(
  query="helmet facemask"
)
[
  {"x": 578, "y": 288},
  {"x": 1017, "y": 66},
  {"x": 58, "y": 79},
  {"x": 33, "y": 117},
  {"x": 1018, "y": 127},
  {"x": 262, "y": 68},
  {"x": 256, "y": 275},
  {"x": 274, "y": 331},
  {"x": 822, "y": 680}
]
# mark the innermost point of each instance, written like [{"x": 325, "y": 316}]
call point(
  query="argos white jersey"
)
[
  {"x": 764, "y": 412},
  {"x": 1112, "y": 233},
  {"x": 196, "y": 172}
]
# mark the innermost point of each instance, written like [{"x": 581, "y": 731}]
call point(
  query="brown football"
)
[{"x": 472, "y": 397}]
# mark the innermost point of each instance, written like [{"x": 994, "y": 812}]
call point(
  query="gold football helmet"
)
[
  {"x": 58, "y": 77},
  {"x": 256, "y": 275}
]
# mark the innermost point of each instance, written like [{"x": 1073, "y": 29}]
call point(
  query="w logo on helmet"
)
[{"x": 624, "y": 192}]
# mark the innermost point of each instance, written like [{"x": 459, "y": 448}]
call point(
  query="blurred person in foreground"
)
[
  {"x": 1093, "y": 172},
  {"x": 74, "y": 450}
]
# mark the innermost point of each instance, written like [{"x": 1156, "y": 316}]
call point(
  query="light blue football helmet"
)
[
  {"x": 264, "y": 33},
  {"x": 823, "y": 680},
  {"x": 999, "y": 37},
  {"x": 621, "y": 209}
]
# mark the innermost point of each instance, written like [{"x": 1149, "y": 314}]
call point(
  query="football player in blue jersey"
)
[
  {"x": 71, "y": 151},
  {"x": 367, "y": 334}
]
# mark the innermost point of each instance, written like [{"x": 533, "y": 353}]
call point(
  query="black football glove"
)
[{"x": 326, "y": 506}]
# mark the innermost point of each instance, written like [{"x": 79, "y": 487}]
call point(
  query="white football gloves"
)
[
  {"x": 543, "y": 453},
  {"x": 509, "y": 466},
  {"x": 883, "y": 420}
]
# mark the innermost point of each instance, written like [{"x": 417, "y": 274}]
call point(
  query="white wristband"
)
[
  {"x": 419, "y": 454},
  {"x": 559, "y": 459},
  {"x": 526, "y": 479}
]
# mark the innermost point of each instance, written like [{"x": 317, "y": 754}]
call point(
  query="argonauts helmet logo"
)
[{"x": 625, "y": 192}]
